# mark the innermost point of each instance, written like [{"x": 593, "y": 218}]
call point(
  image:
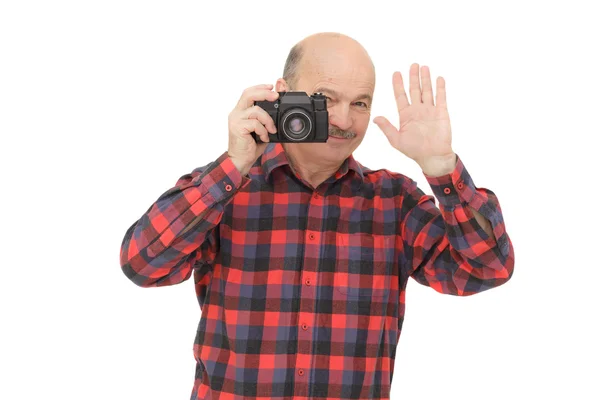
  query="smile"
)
[{"x": 338, "y": 138}]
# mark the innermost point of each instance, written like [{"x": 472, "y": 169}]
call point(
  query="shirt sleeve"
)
[
  {"x": 446, "y": 248},
  {"x": 179, "y": 229}
]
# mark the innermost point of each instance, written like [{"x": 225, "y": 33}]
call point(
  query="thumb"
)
[{"x": 386, "y": 126}]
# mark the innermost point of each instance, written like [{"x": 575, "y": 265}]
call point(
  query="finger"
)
[
  {"x": 254, "y": 93},
  {"x": 253, "y": 125},
  {"x": 256, "y": 112},
  {"x": 414, "y": 85},
  {"x": 399, "y": 93},
  {"x": 427, "y": 89},
  {"x": 440, "y": 90},
  {"x": 250, "y": 95},
  {"x": 386, "y": 126}
]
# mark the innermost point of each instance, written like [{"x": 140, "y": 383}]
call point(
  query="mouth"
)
[{"x": 338, "y": 138}]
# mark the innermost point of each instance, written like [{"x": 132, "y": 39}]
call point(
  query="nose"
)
[{"x": 339, "y": 116}]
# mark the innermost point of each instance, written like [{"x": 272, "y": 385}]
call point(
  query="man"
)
[{"x": 301, "y": 255}]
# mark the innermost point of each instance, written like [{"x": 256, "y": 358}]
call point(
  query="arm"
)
[
  {"x": 179, "y": 229},
  {"x": 447, "y": 248}
]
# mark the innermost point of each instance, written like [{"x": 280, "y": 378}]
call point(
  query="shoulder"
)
[
  {"x": 385, "y": 178},
  {"x": 391, "y": 184}
]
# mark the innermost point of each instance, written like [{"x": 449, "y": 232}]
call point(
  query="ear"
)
[{"x": 281, "y": 85}]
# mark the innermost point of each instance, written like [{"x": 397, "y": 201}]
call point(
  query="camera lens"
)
[{"x": 296, "y": 124}]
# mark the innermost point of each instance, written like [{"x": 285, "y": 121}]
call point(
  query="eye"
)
[{"x": 364, "y": 105}]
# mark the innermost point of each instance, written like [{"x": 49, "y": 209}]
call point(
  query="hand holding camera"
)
[
  {"x": 263, "y": 116},
  {"x": 246, "y": 118}
]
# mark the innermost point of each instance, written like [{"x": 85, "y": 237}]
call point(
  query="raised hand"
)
[{"x": 424, "y": 135}]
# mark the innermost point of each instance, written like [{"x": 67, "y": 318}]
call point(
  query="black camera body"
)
[{"x": 298, "y": 117}]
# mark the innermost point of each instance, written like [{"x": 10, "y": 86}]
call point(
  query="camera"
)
[{"x": 298, "y": 117}]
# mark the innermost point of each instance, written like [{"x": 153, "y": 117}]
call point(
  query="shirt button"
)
[
  {"x": 300, "y": 372},
  {"x": 228, "y": 188},
  {"x": 460, "y": 185},
  {"x": 308, "y": 282},
  {"x": 447, "y": 190},
  {"x": 304, "y": 326},
  {"x": 311, "y": 236}
]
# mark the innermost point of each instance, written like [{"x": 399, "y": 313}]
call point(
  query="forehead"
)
[{"x": 345, "y": 73}]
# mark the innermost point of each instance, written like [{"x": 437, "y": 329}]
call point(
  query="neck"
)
[{"x": 313, "y": 173}]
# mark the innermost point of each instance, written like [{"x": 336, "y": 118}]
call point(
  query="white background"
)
[{"x": 105, "y": 104}]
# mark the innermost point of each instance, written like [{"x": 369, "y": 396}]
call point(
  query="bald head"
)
[{"x": 317, "y": 50}]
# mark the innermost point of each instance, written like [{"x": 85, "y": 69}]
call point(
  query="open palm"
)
[{"x": 424, "y": 132}]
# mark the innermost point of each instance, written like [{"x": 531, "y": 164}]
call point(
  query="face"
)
[{"x": 348, "y": 80}]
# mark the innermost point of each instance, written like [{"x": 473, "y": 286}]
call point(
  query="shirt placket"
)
[{"x": 308, "y": 294}]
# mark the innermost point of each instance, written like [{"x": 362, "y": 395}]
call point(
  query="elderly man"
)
[{"x": 301, "y": 255}]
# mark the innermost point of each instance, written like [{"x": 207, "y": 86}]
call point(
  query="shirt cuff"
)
[
  {"x": 223, "y": 179},
  {"x": 454, "y": 188}
]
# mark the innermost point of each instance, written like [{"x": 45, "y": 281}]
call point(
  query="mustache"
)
[{"x": 335, "y": 131}]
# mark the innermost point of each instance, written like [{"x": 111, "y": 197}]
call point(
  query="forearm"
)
[
  {"x": 443, "y": 166},
  {"x": 451, "y": 254},
  {"x": 461, "y": 247},
  {"x": 158, "y": 249}
]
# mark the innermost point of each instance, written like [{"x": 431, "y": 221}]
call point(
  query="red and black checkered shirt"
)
[{"x": 302, "y": 291}]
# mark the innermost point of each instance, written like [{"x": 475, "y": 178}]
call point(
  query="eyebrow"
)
[{"x": 335, "y": 93}]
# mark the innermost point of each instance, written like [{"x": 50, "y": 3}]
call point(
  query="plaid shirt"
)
[{"x": 302, "y": 291}]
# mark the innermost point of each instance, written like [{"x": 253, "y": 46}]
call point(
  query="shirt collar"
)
[{"x": 274, "y": 156}]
